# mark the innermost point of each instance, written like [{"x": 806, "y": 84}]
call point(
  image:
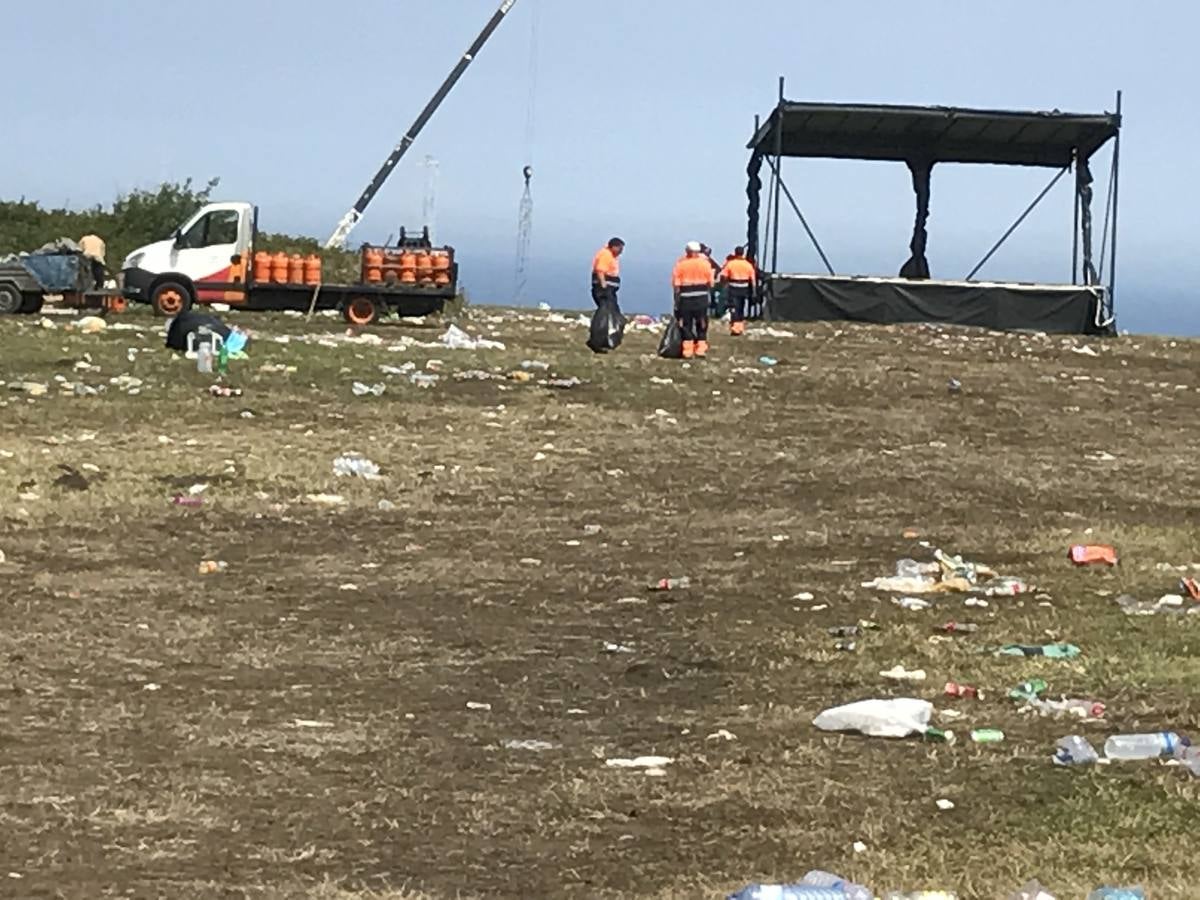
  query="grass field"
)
[{"x": 297, "y": 726}]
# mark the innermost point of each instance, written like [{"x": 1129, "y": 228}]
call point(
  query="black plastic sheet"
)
[{"x": 1062, "y": 310}]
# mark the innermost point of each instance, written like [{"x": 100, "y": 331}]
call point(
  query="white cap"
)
[{"x": 693, "y": 247}]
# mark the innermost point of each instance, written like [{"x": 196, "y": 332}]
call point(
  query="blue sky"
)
[{"x": 641, "y": 116}]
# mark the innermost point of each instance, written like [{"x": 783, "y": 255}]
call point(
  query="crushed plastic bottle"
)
[
  {"x": 1050, "y": 651},
  {"x": 1144, "y": 746},
  {"x": 673, "y": 584},
  {"x": 909, "y": 568},
  {"x": 850, "y": 890},
  {"x": 788, "y": 892},
  {"x": 1074, "y": 750},
  {"x": 354, "y": 466},
  {"x": 362, "y": 390},
  {"x": 958, "y": 628},
  {"x": 1083, "y": 709},
  {"x": 1113, "y": 893},
  {"x": 1189, "y": 758},
  {"x": 1029, "y": 690},
  {"x": 1034, "y": 890},
  {"x": 1006, "y": 587}
]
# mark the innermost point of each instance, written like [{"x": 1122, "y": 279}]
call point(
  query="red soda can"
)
[{"x": 962, "y": 691}]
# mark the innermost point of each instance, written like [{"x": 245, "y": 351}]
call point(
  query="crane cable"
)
[{"x": 525, "y": 213}]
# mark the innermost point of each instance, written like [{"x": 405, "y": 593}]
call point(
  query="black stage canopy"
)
[
  {"x": 940, "y": 134},
  {"x": 923, "y": 137}
]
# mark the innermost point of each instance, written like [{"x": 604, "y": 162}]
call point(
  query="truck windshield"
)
[{"x": 217, "y": 228}]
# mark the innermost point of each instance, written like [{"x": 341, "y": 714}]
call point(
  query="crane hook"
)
[{"x": 528, "y": 173}]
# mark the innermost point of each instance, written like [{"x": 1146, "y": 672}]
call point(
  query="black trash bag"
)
[
  {"x": 671, "y": 345},
  {"x": 608, "y": 328},
  {"x": 190, "y": 323}
]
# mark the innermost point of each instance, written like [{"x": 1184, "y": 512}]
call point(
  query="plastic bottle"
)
[
  {"x": 921, "y": 895},
  {"x": 1074, "y": 750},
  {"x": 1111, "y": 893},
  {"x": 1050, "y": 651},
  {"x": 204, "y": 358},
  {"x": 852, "y": 891},
  {"x": 1034, "y": 890},
  {"x": 1006, "y": 587},
  {"x": 908, "y": 568},
  {"x": 788, "y": 892},
  {"x": 1189, "y": 758},
  {"x": 1084, "y": 709},
  {"x": 1029, "y": 690},
  {"x": 673, "y": 584},
  {"x": 958, "y": 628},
  {"x": 1143, "y": 746}
]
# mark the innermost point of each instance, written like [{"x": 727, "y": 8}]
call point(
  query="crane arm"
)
[{"x": 352, "y": 217}]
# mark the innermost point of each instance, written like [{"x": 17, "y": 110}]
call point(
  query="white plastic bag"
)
[{"x": 895, "y": 718}]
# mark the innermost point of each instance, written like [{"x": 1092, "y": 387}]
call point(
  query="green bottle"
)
[
  {"x": 1029, "y": 690},
  {"x": 937, "y": 736}
]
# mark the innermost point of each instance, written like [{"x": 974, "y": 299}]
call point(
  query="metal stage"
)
[{"x": 923, "y": 138}]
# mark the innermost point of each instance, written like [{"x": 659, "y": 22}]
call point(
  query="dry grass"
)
[{"x": 298, "y": 726}]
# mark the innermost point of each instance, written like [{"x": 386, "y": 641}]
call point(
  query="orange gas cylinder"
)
[
  {"x": 441, "y": 267},
  {"x": 391, "y": 266},
  {"x": 312, "y": 269},
  {"x": 279, "y": 268},
  {"x": 372, "y": 265},
  {"x": 296, "y": 269},
  {"x": 262, "y": 267},
  {"x": 408, "y": 267},
  {"x": 424, "y": 267}
]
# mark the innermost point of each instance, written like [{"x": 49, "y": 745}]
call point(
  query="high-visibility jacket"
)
[
  {"x": 739, "y": 273},
  {"x": 693, "y": 276},
  {"x": 607, "y": 263}
]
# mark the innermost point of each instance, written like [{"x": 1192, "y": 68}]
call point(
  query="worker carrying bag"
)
[
  {"x": 671, "y": 345},
  {"x": 608, "y": 328}
]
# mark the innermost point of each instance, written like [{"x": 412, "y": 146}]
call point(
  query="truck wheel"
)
[
  {"x": 361, "y": 311},
  {"x": 31, "y": 304},
  {"x": 10, "y": 300},
  {"x": 170, "y": 299}
]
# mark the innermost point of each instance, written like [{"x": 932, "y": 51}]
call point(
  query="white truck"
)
[{"x": 212, "y": 258}]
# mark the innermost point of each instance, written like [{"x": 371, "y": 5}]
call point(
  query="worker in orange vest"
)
[
  {"x": 740, "y": 280},
  {"x": 606, "y": 273},
  {"x": 692, "y": 281}
]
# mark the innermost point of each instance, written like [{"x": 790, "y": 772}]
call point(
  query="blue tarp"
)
[{"x": 58, "y": 272}]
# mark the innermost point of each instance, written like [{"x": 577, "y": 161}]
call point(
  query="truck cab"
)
[{"x": 207, "y": 259}]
